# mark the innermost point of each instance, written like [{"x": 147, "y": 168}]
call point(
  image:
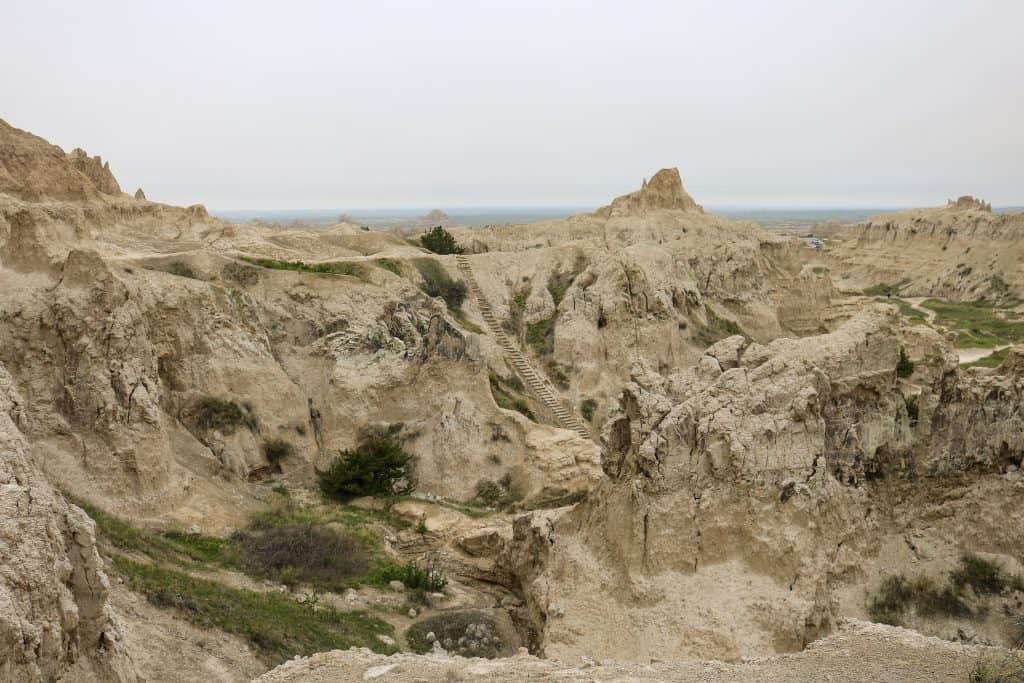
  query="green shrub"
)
[
  {"x": 905, "y": 366},
  {"x": 492, "y": 493},
  {"x": 209, "y": 413},
  {"x": 276, "y": 450},
  {"x": 462, "y": 632},
  {"x": 587, "y": 408},
  {"x": 984, "y": 576},
  {"x": 437, "y": 283},
  {"x": 897, "y": 595},
  {"x": 305, "y": 553},
  {"x": 440, "y": 241},
  {"x": 429, "y": 580},
  {"x": 378, "y": 467},
  {"x": 913, "y": 409},
  {"x": 540, "y": 335},
  {"x": 181, "y": 269}
]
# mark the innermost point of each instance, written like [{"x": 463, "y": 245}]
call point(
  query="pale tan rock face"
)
[
  {"x": 743, "y": 494},
  {"x": 962, "y": 251},
  {"x": 33, "y": 169},
  {"x": 55, "y": 619}
]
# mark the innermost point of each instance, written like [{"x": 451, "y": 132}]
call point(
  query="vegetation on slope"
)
[
  {"x": 715, "y": 329},
  {"x": 507, "y": 394},
  {"x": 978, "y": 325},
  {"x": 440, "y": 241},
  {"x": 277, "y": 626},
  {"x": 353, "y": 269},
  {"x": 284, "y": 543},
  {"x": 379, "y": 466},
  {"x": 925, "y": 596}
]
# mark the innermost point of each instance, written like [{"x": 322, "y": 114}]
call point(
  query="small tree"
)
[
  {"x": 440, "y": 241},
  {"x": 905, "y": 366},
  {"x": 378, "y": 467}
]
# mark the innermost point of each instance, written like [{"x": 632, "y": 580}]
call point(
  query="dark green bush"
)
[
  {"x": 437, "y": 283},
  {"x": 984, "y": 576},
  {"x": 905, "y": 366},
  {"x": 440, "y": 241},
  {"x": 181, "y": 269},
  {"x": 209, "y": 412},
  {"x": 897, "y": 595},
  {"x": 587, "y": 408},
  {"x": 276, "y": 450},
  {"x": 378, "y": 467},
  {"x": 913, "y": 408}
]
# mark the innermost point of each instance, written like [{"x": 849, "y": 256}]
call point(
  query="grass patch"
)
[
  {"x": 465, "y": 633},
  {"x": 559, "y": 281},
  {"x": 977, "y": 323},
  {"x": 992, "y": 360},
  {"x": 557, "y": 374},
  {"x": 715, "y": 329},
  {"x": 389, "y": 265},
  {"x": 170, "y": 547},
  {"x": 887, "y": 290},
  {"x": 464, "y": 322},
  {"x": 209, "y": 412},
  {"x": 505, "y": 395},
  {"x": 437, "y": 283},
  {"x": 913, "y": 316},
  {"x": 337, "y": 268},
  {"x": 277, "y": 626},
  {"x": 276, "y": 450},
  {"x": 540, "y": 335}
]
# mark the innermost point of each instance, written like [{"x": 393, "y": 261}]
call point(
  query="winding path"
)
[{"x": 540, "y": 386}]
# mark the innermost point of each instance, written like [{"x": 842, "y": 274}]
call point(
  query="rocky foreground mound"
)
[{"x": 858, "y": 652}]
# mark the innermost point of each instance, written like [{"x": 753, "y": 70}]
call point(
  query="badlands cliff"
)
[
  {"x": 642, "y": 433},
  {"x": 962, "y": 251}
]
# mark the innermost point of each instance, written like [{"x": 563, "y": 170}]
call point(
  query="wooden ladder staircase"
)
[{"x": 533, "y": 379}]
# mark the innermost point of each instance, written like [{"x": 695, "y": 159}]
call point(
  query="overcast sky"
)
[{"x": 387, "y": 104}]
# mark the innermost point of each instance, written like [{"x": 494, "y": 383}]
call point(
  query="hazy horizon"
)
[{"x": 261, "y": 106}]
